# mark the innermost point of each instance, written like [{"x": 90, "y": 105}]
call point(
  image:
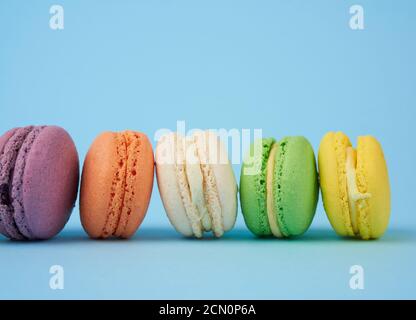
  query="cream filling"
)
[
  {"x": 355, "y": 197},
  {"x": 184, "y": 188},
  {"x": 212, "y": 200},
  {"x": 197, "y": 187},
  {"x": 271, "y": 209},
  {"x": 196, "y": 179}
]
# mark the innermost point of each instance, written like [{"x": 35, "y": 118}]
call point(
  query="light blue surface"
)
[{"x": 287, "y": 67}]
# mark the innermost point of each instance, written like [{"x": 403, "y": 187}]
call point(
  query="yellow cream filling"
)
[
  {"x": 354, "y": 195},
  {"x": 274, "y": 226}
]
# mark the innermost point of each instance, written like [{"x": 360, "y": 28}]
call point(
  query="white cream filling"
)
[
  {"x": 195, "y": 179},
  {"x": 274, "y": 225},
  {"x": 197, "y": 185},
  {"x": 184, "y": 188},
  {"x": 354, "y": 195},
  {"x": 212, "y": 201}
]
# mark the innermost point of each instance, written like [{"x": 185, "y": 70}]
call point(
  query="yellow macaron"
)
[{"x": 355, "y": 185}]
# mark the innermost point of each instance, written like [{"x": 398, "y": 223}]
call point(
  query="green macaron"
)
[{"x": 279, "y": 187}]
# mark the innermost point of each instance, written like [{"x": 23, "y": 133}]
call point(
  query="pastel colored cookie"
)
[
  {"x": 39, "y": 174},
  {"x": 196, "y": 183},
  {"x": 116, "y": 184},
  {"x": 355, "y": 185},
  {"x": 279, "y": 187}
]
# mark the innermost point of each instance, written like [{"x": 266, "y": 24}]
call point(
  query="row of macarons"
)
[{"x": 279, "y": 184}]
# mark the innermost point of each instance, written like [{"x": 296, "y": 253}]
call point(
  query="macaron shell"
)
[
  {"x": 199, "y": 192},
  {"x": 3, "y": 140},
  {"x": 333, "y": 181},
  {"x": 219, "y": 184},
  {"x": 225, "y": 180},
  {"x": 167, "y": 183},
  {"x": 50, "y": 182},
  {"x": 18, "y": 182},
  {"x": 7, "y": 168},
  {"x": 5, "y": 137},
  {"x": 183, "y": 180},
  {"x": 295, "y": 185},
  {"x": 253, "y": 187},
  {"x": 139, "y": 183},
  {"x": 100, "y": 166},
  {"x": 372, "y": 177}
]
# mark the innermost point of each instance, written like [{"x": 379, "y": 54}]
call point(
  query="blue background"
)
[{"x": 287, "y": 67}]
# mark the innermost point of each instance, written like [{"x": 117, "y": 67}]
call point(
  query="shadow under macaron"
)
[{"x": 152, "y": 234}]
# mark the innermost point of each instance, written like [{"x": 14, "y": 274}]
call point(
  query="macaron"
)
[
  {"x": 279, "y": 187},
  {"x": 355, "y": 185},
  {"x": 196, "y": 183},
  {"x": 116, "y": 184},
  {"x": 39, "y": 175}
]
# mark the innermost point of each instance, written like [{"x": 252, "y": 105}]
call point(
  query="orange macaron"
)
[{"x": 116, "y": 184}]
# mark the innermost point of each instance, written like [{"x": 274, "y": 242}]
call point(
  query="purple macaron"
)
[{"x": 39, "y": 175}]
